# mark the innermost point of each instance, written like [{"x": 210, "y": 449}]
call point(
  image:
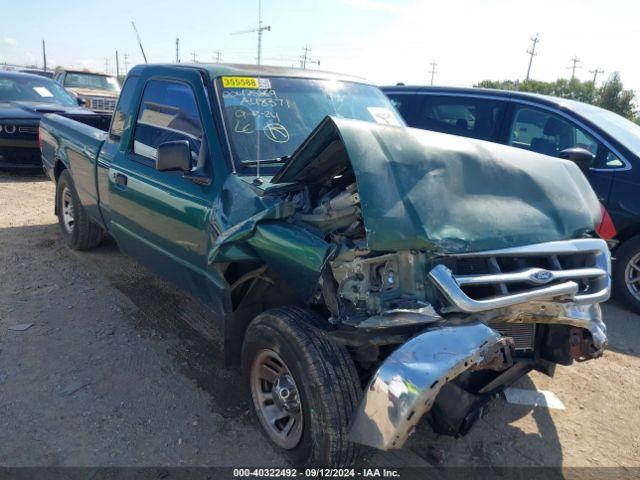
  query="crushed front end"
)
[
  {"x": 503, "y": 313},
  {"x": 448, "y": 267}
]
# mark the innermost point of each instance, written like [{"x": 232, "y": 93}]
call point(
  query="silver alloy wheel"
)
[
  {"x": 67, "y": 210},
  {"x": 276, "y": 399},
  {"x": 632, "y": 276}
]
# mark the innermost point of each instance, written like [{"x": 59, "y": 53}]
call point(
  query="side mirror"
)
[
  {"x": 580, "y": 156},
  {"x": 174, "y": 155}
]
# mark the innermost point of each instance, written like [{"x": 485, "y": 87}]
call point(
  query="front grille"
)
[
  {"x": 575, "y": 269},
  {"x": 523, "y": 334},
  {"x": 28, "y": 129},
  {"x": 103, "y": 104}
]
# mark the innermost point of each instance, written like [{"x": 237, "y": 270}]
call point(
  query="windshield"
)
[
  {"x": 623, "y": 130},
  {"x": 268, "y": 118},
  {"x": 34, "y": 89},
  {"x": 91, "y": 81}
]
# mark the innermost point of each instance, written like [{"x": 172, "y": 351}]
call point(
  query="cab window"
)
[
  {"x": 547, "y": 133},
  {"x": 168, "y": 112},
  {"x": 467, "y": 116}
]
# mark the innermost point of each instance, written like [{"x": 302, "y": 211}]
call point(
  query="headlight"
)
[{"x": 10, "y": 129}]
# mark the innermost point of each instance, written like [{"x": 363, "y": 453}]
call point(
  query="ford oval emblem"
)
[{"x": 541, "y": 276}]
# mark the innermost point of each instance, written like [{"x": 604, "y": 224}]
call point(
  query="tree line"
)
[{"x": 610, "y": 95}]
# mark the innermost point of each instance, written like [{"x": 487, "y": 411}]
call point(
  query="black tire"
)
[
  {"x": 325, "y": 375},
  {"x": 83, "y": 234},
  {"x": 624, "y": 254}
]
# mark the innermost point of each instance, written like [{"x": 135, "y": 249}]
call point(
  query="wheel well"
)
[
  {"x": 627, "y": 234},
  {"x": 57, "y": 169}
]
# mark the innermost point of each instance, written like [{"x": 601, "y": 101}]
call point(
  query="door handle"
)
[{"x": 121, "y": 179}]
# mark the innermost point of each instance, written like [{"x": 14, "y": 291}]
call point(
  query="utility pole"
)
[
  {"x": 595, "y": 74},
  {"x": 177, "y": 50},
  {"x": 259, "y": 30},
  {"x": 44, "y": 56},
  {"x": 532, "y": 53},
  {"x": 433, "y": 71},
  {"x": 194, "y": 56},
  {"x": 574, "y": 64},
  {"x": 106, "y": 65},
  {"x": 126, "y": 63},
  {"x": 304, "y": 58},
  {"x": 218, "y": 56},
  {"x": 117, "y": 65}
]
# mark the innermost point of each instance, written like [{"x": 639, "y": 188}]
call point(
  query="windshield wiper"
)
[{"x": 266, "y": 160}]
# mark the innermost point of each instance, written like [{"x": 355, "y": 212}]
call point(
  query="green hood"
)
[{"x": 426, "y": 190}]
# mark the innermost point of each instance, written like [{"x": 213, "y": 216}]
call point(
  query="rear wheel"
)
[
  {"x": 79, "y": 232},
  {"x": 304, "y": 387},
  {"x": 626, "y": 273}
]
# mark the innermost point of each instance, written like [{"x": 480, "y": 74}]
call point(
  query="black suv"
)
[{"x": 556, "y": 127}]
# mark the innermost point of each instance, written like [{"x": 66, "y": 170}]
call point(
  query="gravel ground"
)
[{"x": 112, "y": 366}]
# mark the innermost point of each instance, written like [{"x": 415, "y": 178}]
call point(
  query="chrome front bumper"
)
[{"x": 407, "y": 383}]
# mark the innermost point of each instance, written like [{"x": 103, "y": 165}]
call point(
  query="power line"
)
[
  {"x": 106, "y": 65},
  {"x": 259, "y": 30},
  {"x": 433, "y": 71},
  {"x": 532, "y": 53},
  {"x": 194, "y": 57},
  {"x": 126, "y": 63},
  {"x": 218, "y": 54},
  {"x": 574, "y": 64},
  {"x": 117, "y": 65},
  {"x": 177, "y": 50},
  {"x": 595, "y": 72}
]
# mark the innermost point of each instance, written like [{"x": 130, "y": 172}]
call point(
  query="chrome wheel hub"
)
[
  {"x": 67, "y": 210},
  {"x": 632, "y": 276},
  {"x": 276, "y": 399}
]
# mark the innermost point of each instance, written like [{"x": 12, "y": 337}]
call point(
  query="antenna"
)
[
  {"x": 139, "y": 41},
  {"x": 259, "y": 30}
]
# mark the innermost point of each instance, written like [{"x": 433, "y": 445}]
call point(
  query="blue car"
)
[
  {"x": 24, "y": 99},
  {"x": 604, "y": 144}
]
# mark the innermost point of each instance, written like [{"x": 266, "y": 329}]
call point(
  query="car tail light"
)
[{"x": 606, "y": 229}]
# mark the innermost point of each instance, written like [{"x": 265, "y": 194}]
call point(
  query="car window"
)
[
  {"x": 545, "y": 132},
  {"x": 470, "y": 117},
  {"x": 406, "y": 105},
  {"x": 168, "y": 112},
  {"x": 29, "y": 88},
  {"x": 123, "y": 109}
]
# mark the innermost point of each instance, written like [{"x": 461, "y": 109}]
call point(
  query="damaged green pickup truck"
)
[{"x": 364, "y": 274}]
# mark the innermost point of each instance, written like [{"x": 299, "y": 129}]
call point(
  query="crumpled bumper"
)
[{"x": 407, "y": 383}]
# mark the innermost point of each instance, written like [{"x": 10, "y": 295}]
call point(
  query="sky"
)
[{"x": 385, "y": 41}]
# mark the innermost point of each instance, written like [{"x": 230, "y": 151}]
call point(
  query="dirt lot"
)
[{"x": 112, "y": 372}]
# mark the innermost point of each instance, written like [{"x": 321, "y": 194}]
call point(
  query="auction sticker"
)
[{"x": 245, "y": 82}]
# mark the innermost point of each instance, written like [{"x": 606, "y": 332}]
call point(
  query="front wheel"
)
[
  {"x": 304, "y": 387},
  {"x": 79, "y": 232}
]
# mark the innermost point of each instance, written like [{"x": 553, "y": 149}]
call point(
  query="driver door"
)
[
  {"x": 543, "y": 131},
  {"x": 161, "y": 218}
]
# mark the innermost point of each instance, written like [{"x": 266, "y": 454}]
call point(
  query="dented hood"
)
[{"x": 427, "y": 190}]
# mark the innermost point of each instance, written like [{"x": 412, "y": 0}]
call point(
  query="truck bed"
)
[{"x": 77, "y": 146}]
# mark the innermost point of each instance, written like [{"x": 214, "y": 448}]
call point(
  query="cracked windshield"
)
[{"x": 269, "y": 117}]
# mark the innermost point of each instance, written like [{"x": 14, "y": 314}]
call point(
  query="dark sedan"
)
[
  {"x": 606, "y": 145},
  {"x": 24, "y": 98}
]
